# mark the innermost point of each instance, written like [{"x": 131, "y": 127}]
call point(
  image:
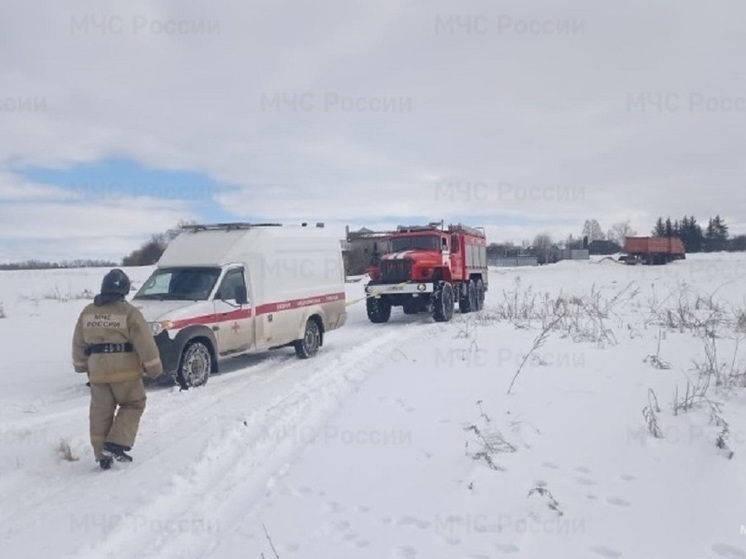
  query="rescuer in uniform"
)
[{"x": 114, "y": 345}]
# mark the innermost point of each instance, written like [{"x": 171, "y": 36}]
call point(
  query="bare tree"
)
[
  {"x": 543, "y": 241},
  {"x": 592, "y": 230},
  {"x": 619, "y": 231},
  {"x": 171, "y": 234},
  {"x": 542, "y": 246}
]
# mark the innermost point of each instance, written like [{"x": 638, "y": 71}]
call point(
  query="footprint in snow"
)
[
  {"x": 728, "y": 551},
  {"x": 618, "y": 502},
  {"x": 627, "y": 477},
  {"x": 583, "y": 470},
  {"x": 333, "y": 506},
  {"x": 403, "y": 552},
  {"x": 605, "y": 552},
  {"x": 550, "y": 465},
  {"x": 510, "y": 548},
  {"x": 341, "y": 525},
  {"x": 412, "y": 521},
  {"x": 585, "y": 481}
]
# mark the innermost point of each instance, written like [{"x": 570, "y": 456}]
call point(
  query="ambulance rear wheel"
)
[{"x": 309, "y": 345}]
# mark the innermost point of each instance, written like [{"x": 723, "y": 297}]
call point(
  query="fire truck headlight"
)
[{"x": 421, "y": 287}]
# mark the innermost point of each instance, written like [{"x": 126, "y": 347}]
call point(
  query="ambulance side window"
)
[{"x": 233, "y": 280}]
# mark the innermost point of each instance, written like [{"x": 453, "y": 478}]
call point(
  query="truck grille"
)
[{"x": 396, "y": 271}]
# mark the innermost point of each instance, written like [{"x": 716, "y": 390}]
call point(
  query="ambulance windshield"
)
[{"x": 175, "y": 284}]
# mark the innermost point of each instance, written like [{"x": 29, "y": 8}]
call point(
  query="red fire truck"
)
[{"x": 428, "y": 269}]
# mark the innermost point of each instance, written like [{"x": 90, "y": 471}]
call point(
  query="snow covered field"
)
[{"x": 401, "y": 440}]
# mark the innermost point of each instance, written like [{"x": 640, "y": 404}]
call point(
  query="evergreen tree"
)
[
  {"x": 737, "y": 243},
  {"x": 721, "y": 229},
  {"x": 716, "y": 234},
  {"x": 660, "y": 229},
  {"x": 694, "y": 236},
  {"x": 684, "y": 228}
]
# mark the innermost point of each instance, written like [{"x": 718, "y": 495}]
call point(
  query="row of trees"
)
[
  {"x": 44, "y": 265},
  {"x": 713, "y": 237},
  {"x": 148, "y": 253}
]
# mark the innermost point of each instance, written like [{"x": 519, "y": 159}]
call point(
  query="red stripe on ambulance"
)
[
  {"x": 299, "y": 303},
  {"x": 261, "y": 309},
  {"x": 212, "y": 318}
]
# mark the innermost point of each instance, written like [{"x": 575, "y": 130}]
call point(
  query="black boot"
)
[
  {"x": 105, "y": 463},
  {"x": 117, "y": 452}
]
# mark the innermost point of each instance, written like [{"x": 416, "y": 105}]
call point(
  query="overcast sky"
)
[{"x": 119, "y": 119}]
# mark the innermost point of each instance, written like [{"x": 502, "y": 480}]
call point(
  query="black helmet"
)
[{"x": 115, "y": 282}]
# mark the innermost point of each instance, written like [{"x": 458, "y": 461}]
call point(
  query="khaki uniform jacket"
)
[{"x": 115, "y": 322}]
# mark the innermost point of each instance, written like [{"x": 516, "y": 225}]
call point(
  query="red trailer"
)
[{"x": 653, "y": 250}]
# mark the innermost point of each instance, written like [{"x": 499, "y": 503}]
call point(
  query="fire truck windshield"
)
[{"x": 415, "y": 242}]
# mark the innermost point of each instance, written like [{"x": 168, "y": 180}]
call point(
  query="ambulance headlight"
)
[{"x": 158, "y": 327}]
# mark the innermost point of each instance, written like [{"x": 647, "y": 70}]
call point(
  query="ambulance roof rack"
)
[{"x": 227, "y": 226}]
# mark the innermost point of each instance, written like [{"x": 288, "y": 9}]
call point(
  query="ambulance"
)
[{"x": 227, "y": 289}]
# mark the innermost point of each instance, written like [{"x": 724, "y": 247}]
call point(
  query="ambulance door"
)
[{"x": 234, "y": 310}]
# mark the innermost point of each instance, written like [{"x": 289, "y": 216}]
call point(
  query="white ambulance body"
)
[{"x": 228, "y": 289}]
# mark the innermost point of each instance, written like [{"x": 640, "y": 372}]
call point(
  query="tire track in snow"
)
[
  {"x": 237, "y": 463},
  {"x": 55, "y": 487}
]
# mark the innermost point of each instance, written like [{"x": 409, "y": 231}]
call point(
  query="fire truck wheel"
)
[
  {"x": 469, "y": 303},
  {"x": 379, "y": 310},
  {"x": 443, "y": 304},
  {"x": 480, "y": 294}
]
